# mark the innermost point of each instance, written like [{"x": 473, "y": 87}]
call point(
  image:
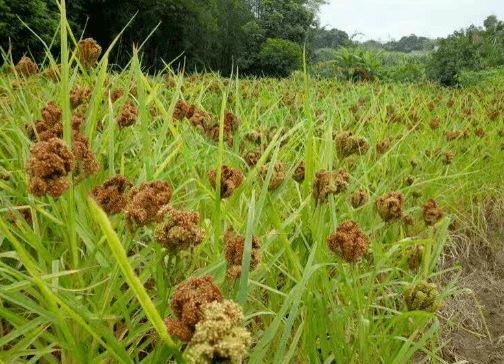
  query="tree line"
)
[{"x": 255, "y": 36}]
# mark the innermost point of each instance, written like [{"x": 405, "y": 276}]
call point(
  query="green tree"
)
[
  {"x": 464, "y": 50},
  {"x": 40, "y": 15},
  {"x": 279, "y": 57}
]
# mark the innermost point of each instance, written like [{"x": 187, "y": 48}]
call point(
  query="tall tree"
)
[{"x": 40, "y": 15}]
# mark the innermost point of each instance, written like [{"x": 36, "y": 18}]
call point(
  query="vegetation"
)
[{"x": 191, "y": 218}]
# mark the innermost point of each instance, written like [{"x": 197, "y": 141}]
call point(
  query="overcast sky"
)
[{"x": 392, "y": 19}]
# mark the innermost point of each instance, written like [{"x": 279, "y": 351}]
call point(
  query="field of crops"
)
[{"x": 202, "y": 219}]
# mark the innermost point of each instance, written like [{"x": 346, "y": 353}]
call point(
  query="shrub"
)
[{"x": 279, "y": 57}]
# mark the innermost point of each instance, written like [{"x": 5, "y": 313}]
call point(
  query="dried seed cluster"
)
[
  {"x": 26, "y": 67},
  {"x": 178, "y": 230},
  {"x": 277, "y": 177},
  {"x": 145, "y": 203},
  {"x": 326, "y": 183},
  {"x": 204, "y": 121},
  {"x": 187, "y": 303},
  {"x": 231, "y": 179},
  {"x": 234, "y": 246},
  {"x": 128, "y": 115},
  {"x": 348, "y": 144},
  {"x": 358, "y": 198},
  {"x": 48, "y": 168},
  {"x": 299, "y": 173},
  {"x": 112, "y": 194},
  {"x": 432, "y": 213},
  {"x": 390, "y": 206},
  {"x": 219, "y": 337},
  {"x": 89, "y": 52},
  {"x": 349, "y": 242}
]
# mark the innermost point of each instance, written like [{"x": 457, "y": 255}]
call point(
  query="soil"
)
[{"x": 483, "y": 280}]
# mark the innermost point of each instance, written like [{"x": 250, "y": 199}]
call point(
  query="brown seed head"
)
[
  {"x": 299, "y": 173},
  {"x": 348, "y": 144},
  {"x": 358, "y": 198},
  {"x": 231, "y": 179},
  {"x": 26, "y": 67},
  {"x": 79, "y": 96},
  {"x": 178, "y": 230},
  {"x": 112, "y": 195},
  {"x": 128, "y": 116},
  {"x": 50, "y": 163},
  {"x": 234, "y": 246},
  {"x": 390, "y": 206},
  {"x": 431, "y": 213},
  {"x": 186, "y": 303},
  {"x": 144, "y": 204},
  {"x": 349, "y": 242},
  {"x": 326, "y": 183},
  {"x": 89, "y": 52},
  {"x": 277, "y": 177}
]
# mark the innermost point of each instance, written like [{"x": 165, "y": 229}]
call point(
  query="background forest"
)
[{"x": 260, "y": 38}]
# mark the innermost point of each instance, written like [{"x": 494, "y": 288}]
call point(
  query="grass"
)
[{"x": 79, "y": 287}]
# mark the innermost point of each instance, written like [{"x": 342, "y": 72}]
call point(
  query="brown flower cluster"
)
[
  {"x": 48, "y": 168},
  {"x": 116, "y": 94},
  {"x": 326, "y": 183},
  {"x": 53, "y": 73},
  {"x": 390, "y": 206},
  {"x": 80, "y": 96},
  {"x": 434, "y": 123},
  {"x": 128, "y": 115},
  {"x": 178, "y": 230},
  {"x": 256, "y": 141},
  {"x": 89, "y": 51},
  {"x": 204, "y": 121},
  {"x": 111, "y": 195},
  {"x": 277, "y": 177},
  {"x": 52, "y": 127},
  {"x": 231, "y": 179},
  {"x": 432, "y": 213},
  {"x": 348, "y": 144},
  {"x": 187, "y": 302},
  {"x": 26, "y": 67},
  {"x": 415, "y": 255},
  {"x": 85, "y": 161},
  {"x": 48, "y": 128},
  {"x": 230, "y": 126},
  {"x": 299, "y": 173},
  {"x": 455, "y": 134},
  {"x": 448, "y": 157},
  {"x": 145, "y": 203},
  {"x": 349, "y": 242},
  {"x": 358, "y": 198},
  {"x": 234, "y": 246}
]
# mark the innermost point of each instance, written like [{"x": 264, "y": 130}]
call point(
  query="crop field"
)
[{"x": 200, "y": 219}]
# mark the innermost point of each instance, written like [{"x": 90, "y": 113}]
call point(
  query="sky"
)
[{"x": 385, "y": 20}]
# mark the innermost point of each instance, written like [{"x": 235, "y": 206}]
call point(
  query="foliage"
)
[
  {"x": 279, "y": 57},
  {"x": 484, "y": 78},
  {"x": 471, "y": 50},
  {"x": 322, "y": 38},
  {"x": 40, "y": 15},
  {"x": 353, "y": 64},
  {"x": 407, "y": 44}
]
